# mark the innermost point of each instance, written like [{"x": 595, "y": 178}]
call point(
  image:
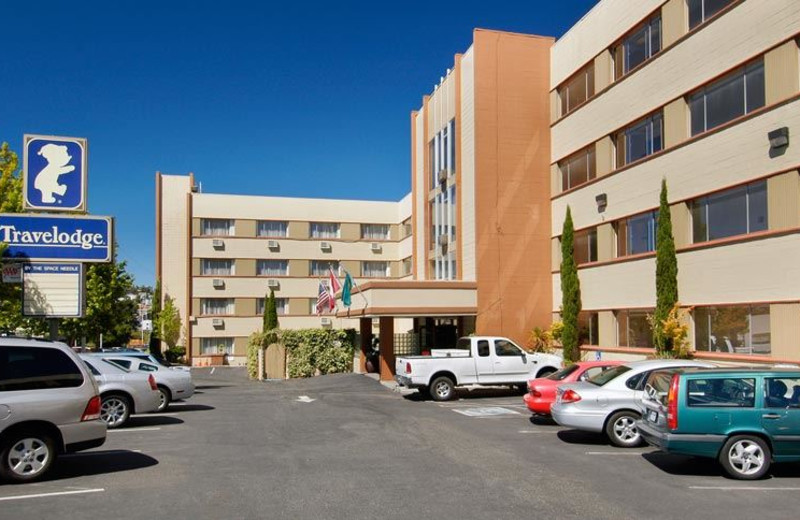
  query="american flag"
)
[{"x": 323, "y": 298}]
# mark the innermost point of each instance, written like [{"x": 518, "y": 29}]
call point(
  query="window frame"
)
[
  {"x": 231, "y": 271},
  {"x": 700, "y": 205},
  {"x": 261, "y": 263},
  {"x": 261, "y": 232}
]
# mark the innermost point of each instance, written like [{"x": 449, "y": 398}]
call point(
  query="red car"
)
[{"x": 542, "y": 391}]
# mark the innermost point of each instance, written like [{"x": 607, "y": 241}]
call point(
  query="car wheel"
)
[
  {"x": 745, "y": 457},
  {"x": 546, "y": 372},
  {"x": 442, "y": 389},
  {"x": 164, "y": 398},
  {"x": 26, "y": 456},
  {"x": 115, "y": 410},
  {"x": 621, "y": 429}
]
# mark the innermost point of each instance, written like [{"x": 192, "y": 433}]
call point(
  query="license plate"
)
[{"x": 652, "y": 416}]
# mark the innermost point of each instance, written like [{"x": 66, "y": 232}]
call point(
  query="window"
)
[
  {"x": 34, "y": 368},
  {"x": 91, "y": 368},
  {"x": 733, "y": 96},
  {"x": 592, "y": 372},
  {"x": 483, "y": 348},
  {"x": 324, "y": 230},
  {"x": 407, "y": 266},
  {"x": 146, "y": 367},
  {"x": 505, "y": 348},
  {"x": 734, "y": 330},
  {"x": 639, "y": 140},
  {"x": 633, "y": 329},
  {"x": 217, "y": 227},
  {"x": 637, "y": 234},
  {"x": 702, "y": 10},
  {"x": 641, "y": 45},
  {"x": 585, "y": 246},
  {"x": 442, "y": 150},
  {"x": 578, "y": 168},
  {"x": 273, "y": 228},
  {"x": 216, "y": 345},
  {"x": 272, "y": 268},
  {"x": 124, "y": 363},
  {"x": 587, "y": 328},
  {"x": 722, "y": 392},
  {"x": 737, "y": 211},
  {"x": 563, "y": 373},
  {"x": 782, "y": 392},
  {"x": 577, "y": 89},
  {"x": 374, "y": 269},
  {"x": 214, "y": 267},
  {"x": 609, "y": 375},
  {"x": 281, "y": 305},
  {"x": 217, "y": 306},
  {"x": 375, "y": 231},
  {"x": 321, "y": 267},
  {"x": 407, "y": 228},
  {"x": 636, "y": 382}
]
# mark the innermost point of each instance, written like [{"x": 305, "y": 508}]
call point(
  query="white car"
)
[
  {"x": 122, "y": 392},
  {"x": 172, "y": 384}
]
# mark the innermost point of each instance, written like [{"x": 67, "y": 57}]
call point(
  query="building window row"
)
[
  {"x": 639, "y": 140},
  {"x": 217, "y": 306},
  {"x": 215, "y": 227},
  {"x": 216, "y": 346},
  {"x": 701, "y": 10},
  {"x": 273, "y": 228},
  {"x": 442, "y": 153},
  {"x": 375, "y": 231},
  {"x": 577, "y": 90},
  {"x": 217, "y": 267},
  {"x": 272, "y": 268},
  {"x": 641, "y": 44},
  {"x": 579, "y": 168}
]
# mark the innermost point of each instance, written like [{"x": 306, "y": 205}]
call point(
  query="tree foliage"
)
[
  {"x": 666, "y": 275},
  {"x": 155, "y": 312},
  {"x": 169, "y": 323},
  {"x": 270, "y": 312},
  {"x": 570, "y": 292}
]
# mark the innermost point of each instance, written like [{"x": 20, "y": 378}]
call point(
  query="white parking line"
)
[
  {"x": 132, "y": 430},
  {"x": 56, "y": 494},
  {"x": 742, "y": 488},
  {"x": 538, "y": 431},
  {"x": 212, "y": 371}
]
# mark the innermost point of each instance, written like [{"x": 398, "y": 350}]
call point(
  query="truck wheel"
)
[
  {"x": 621, "y": 429},
  {"x": 442, "y": 389},
  {"x": 26, "y": 456},
  {"x": 745, "y": 457}
]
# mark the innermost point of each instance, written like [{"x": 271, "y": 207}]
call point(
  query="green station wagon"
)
[{"x": 744, "y": 417}]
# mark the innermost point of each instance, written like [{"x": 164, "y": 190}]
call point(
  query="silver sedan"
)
[{"x": 610, "y": 402}]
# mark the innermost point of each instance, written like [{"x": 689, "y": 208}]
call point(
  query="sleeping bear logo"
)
[{"x": 47, "y": 180}]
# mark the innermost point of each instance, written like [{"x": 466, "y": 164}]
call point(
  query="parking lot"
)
[{"x": 344, "y": 447}]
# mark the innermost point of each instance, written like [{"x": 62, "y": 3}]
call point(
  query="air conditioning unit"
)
[
  {"x": 325, "y": 246},
  {"x": 218, "y": 244},
  {"x": 218, "y": 283},
  {"x": 273, "y": 244},
  {"x": 273, "y": 284},
  {"x": 376, "y": 247},
  {"x": 442, "y": 175},
  {"x": 217, "y": 322},
  {"x": 326, "y": 322},
  {"x": 443, "y": 239}
]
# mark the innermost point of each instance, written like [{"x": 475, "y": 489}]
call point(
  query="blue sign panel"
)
[
  {"x": 54, "y": 173},
  {"x": 52, "y": 238}
]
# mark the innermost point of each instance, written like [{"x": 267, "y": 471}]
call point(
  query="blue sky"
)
[{"x": 306, "y": 99}]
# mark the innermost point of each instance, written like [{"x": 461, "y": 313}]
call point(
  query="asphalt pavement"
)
[{"x": 347, "y": 447}]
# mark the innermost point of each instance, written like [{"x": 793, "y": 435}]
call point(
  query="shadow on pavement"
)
[
  {"x": 542, "y": 420},
  {"x": 466, "y": 394},
  {"x": 706, "y": 467},
  {"x": 190, "y": 408},
  {"x": 152, "y": 420},
  {"x": 98, "y": 463},
  {"x": 581, "y": 437},
  {"x": 211, "y": 387}
]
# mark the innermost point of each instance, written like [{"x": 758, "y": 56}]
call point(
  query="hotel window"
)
[
  {"x": 374, "y": 269},
  {"x": 733, "y": 330},
  {"x": 633, "y": 329},
  {"x": 217, "y": 306},
  {"x": 442, "y": 149},
  {"x": 407, "y": 266},
  {"x": 702, "y": 10},
  {"x": 737, "y": 211},
  {"x": 637, "y": 234},
  {"x": 577, "y": 89},
  {"x": 588, "y": 324},
  {"x": 375, "y": 231},
  {"x": 641, "y": 45},
  {"x": 407, "y": 228},
  {"x": 443, "y": 233},
  {"x": 733, "y": 96},
  {"x": 272, "y": 268},
  {"x": 281, "y": 304},
  {"x": 217, "y": 227},
  {"x": 585, "y": 246},
  {"x": 325, "y": 230},
  {"x": 321, "y": 267},
  {"x": 639, "y": 140},
  {"x": 214, "y": 267},
  {"x": 273, "y": 228},
  {"x": 578, "y": 168},
  {"x": 216, "y": 345}
]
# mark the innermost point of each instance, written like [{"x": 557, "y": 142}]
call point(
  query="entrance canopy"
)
[{"x": 377, "y": 299}]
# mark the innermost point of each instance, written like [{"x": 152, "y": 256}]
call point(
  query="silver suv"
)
[{"x": 49, "y": 405}]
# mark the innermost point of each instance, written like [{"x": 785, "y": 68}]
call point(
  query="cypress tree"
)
[
  {"x": 270, "y": 312},
  {"x": 155, "y": 315},
  {"x": 666, "y": 274},
  {"x": 570, "y": 292}
]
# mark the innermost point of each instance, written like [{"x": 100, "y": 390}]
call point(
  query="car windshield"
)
[
  {"x": 563, "y": 373},
  {"x": 612, "y": 373}
]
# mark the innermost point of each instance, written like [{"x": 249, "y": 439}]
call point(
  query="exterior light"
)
[
  {"x": 602, "y": 202},
  {"x": 779, "y": 138}
]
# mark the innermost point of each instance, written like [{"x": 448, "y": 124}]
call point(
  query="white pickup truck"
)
[{"x": 476, "y": 360}]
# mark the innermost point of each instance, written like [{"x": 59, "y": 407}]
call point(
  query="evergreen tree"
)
[
  {"x": 270, "y": 312},
  {"x": 155, "y": 313},
  {"x": 666, "y": 274},
  {"x": 570, "y": 292}
]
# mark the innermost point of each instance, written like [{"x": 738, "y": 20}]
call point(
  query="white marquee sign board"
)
[{"x": 53, "y": 290}]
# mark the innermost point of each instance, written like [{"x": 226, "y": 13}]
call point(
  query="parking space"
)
[{"x": 346, "y": 447}]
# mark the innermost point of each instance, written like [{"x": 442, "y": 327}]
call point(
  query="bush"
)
[
  {"x": 322, "y": 351},
  {"x": 675, "y": 330},
  {"x": 540, "y": 340},
  {"x": 257, "y": 341},
  {"x": 175, "y": 354}
]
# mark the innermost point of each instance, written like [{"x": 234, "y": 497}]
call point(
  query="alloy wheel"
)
[
  {"x": 625, "y": 429},
  {"x": 746, "y": 457},
  {"x": 28, "y": 457},
  {"x": 114, "y": 411}
]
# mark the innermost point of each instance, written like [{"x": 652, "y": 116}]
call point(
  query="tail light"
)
[
  {"x": 535, "y": 393},
  {"x": 672, "y": 403},
  {"x": 570, "y": 396},
  {"x": 92, "y": 411},
  {"x": 408, "y": 368},
  {"x": 152, "y": 381}
]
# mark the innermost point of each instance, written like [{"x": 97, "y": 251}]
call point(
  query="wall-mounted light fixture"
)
[
  {"x": 602, "y": 202},
  {"x": 779, "y": 138}
]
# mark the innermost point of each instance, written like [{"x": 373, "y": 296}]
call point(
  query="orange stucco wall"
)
[{"x": 512, "y": 177}]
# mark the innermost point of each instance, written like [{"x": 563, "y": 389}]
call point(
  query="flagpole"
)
[{"x": 355, "y": 284}]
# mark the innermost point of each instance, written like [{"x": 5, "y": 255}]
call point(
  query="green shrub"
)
[
  {"x": 257, "y": 341},
  {"x": 175, "y": 354},
  {"x": 318, "y": 350}
]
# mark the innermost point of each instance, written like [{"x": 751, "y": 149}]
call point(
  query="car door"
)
[
  {"x": 484, "y": 364},
  {"x": 780, "y": 415},
  {"x": 510, "y": 362}
]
